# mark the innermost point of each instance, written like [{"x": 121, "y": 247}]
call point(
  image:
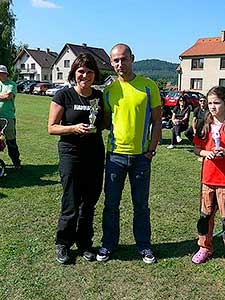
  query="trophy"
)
[
  {"x": 216, "y": 138},
  {"x": 93, "y": 114}
]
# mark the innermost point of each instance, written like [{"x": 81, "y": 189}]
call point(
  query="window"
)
[
  {"x": 196, "y": 84},
  {"x": 66, "y": 63},
  {"x": 197, "y": 63},
  {"x": 59, "y": 75},
  {"x": 22, "y": 66},
  {"x": 45, "y": 77},
  {"x": 222, "y": 82},
  {"x": 32, "y": 66},
  {"x": 222, "y": 63}
]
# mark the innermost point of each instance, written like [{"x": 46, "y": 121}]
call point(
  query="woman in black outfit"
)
[
  {"x": 180, "y": 120},
  {"x": 81, "y": 158}
]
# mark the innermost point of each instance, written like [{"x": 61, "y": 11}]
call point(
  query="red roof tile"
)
[{"x": 206, "y": 46}]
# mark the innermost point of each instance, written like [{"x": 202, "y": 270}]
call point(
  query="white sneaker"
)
[
  {"x": 103, "y": 254},
  {"x": 171, "y": 146},
  {"x": 147, "y": 256},
  {"x": 179, "y": 139}
]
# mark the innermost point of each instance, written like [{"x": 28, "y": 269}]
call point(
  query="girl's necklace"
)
[
  {"x": 81, "y": 101},
  {"x": 84, "y": 98}
]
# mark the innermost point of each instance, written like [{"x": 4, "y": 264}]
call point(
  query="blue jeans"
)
[{"x": 138, "y": 169}]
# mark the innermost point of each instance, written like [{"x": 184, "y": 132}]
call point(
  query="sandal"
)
[{"x": 200, "y": 257}]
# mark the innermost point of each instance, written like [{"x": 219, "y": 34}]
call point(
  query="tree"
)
[
  {"x": 16, "y": 49},
  {"x": 7, "y": 28},
  {"x": 161, "y": 83},
  {"x": 104, "y": 75}
]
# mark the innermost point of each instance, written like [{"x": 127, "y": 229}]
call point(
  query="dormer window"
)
[{"x": 197, "y": 63}]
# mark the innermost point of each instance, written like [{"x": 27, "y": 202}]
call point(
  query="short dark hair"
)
[
  {"x": 87, "y": 60},
  {"x": 128, "y": 49}
]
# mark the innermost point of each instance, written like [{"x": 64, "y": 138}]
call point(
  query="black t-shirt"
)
[
  {"x": 179, "y": 114},
  {"x": 199, "y": 114},
  {"x": 77, "y": 110}
]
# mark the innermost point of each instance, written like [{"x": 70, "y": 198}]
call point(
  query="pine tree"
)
[{"x": 7, "y": 30}]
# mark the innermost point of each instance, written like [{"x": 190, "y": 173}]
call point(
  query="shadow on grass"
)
[
  {"x": 29, "y": 175},
  {"x": 184, "y": 142},
  {"x": 2, "y": 195},
  {"x": 162, "y": 251},
  {"x": 74, "y": 254},
  {"x": 167, "y": 250}
]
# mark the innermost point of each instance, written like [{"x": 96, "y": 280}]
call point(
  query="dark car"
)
[
  {"x": 28, "y": 89},
  {"x": 192, "y": 98},
  {"x": 22, "y": 84}
]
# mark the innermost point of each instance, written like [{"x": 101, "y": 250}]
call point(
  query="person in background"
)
[
  {"x": 180, "y": 120},
  {"x": 131, "y": 103},
  {"x": 7, "y": 111},
  {"x": 166, "y": 120},
  {"x": 81, "y": 158},
  {"x": 198, "y": 119},
  {"x": 211, "y": 146}
]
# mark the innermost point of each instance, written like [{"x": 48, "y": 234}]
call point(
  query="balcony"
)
[{"x": 27, "y": 71}]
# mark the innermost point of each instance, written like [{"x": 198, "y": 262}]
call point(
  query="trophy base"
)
[{"x": 92, "y": 129}]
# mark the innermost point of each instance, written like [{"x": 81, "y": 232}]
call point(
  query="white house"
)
[
  {"x": 35, "y": 64},
  {"x": 62, "y": 64},
  {"x": 203, "y": 65}
]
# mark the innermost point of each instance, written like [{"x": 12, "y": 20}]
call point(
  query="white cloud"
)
[{"x": 44, "y": 4}]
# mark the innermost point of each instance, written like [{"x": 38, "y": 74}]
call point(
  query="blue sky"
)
[{"x": 160, "y": 29}]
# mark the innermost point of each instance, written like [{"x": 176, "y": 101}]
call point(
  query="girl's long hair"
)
[{"x": 218, "y": 91}]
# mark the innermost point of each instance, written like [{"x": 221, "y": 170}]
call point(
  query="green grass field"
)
[{"x": 29, "y": 208}]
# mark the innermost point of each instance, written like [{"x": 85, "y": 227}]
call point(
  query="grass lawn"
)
[{"x": 29, "y": 208}]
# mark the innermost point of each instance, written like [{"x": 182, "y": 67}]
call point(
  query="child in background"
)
[{"x": 211, "y": 146}]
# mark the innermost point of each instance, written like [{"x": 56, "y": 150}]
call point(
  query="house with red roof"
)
[
  {"x": 62, "y": 64},
  {"x": 203, "y": 65}
]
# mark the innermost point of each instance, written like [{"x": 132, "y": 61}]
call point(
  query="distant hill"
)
[{"x": 157, "y": 69}]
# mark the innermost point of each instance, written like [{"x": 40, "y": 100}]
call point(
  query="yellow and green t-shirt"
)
[
  {"x": 7, "y": 107},
  {"x": 130, "y": 104}
]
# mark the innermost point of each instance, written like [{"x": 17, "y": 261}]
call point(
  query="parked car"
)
[
  {"x": 28, "y": 89},
  {"x": 192, "y": 98},
  {"x": 51, "y": 92},
  {"x": 163, "y": 95},
  {"x": 41, "y": 87},
  {"x": 23, "y": 83}
]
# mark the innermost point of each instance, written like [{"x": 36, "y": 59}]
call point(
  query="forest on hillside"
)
[{"x": 157, "y": 70}]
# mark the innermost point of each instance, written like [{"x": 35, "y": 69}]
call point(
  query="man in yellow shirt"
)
[{"x": 132, "y": 103}]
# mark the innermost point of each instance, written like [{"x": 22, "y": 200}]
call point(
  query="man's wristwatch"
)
[{"x": 153, "y": 152}]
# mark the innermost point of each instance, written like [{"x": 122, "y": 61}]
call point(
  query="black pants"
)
[
  {"x": 81, "y": 178},
  {"x": 176, "y": 131},
  {"x": 13, "y": 151},
  {"x": 189, "y": 133}
]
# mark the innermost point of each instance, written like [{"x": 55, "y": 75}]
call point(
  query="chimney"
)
[
  {"x": 47, "y": 50},
  {"x": 84, "y": 45},
  {"x": 223, "y": 36},
  {"x": 38, "y": 49}
]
